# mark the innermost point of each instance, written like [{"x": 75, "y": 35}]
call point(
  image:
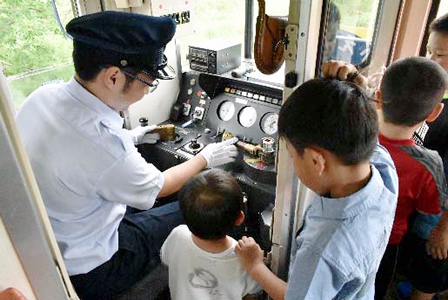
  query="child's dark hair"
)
[
  {"x": 411, "y": 88},
  {"x": 334, "y": 115},
  {"x": 440, "y": 25},
  {"x": 211, "y": 203}
]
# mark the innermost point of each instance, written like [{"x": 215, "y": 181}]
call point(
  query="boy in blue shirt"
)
[{"x": 330, "y": 128}]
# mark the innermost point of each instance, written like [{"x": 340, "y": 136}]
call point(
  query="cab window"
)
[
  {"x": 350, "y": 30},
  {"x": 225, "y": 20},
  {"x": 33, "y": 50}
]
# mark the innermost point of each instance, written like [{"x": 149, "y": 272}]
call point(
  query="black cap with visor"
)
[{"x": 126, "y": 40}]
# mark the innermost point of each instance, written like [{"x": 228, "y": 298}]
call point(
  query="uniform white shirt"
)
[
  {"x": 198, "y": 274},
  {"x": 87, "y": 169}
]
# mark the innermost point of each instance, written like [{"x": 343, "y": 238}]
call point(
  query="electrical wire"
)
[{"x": 58, "y": 20}]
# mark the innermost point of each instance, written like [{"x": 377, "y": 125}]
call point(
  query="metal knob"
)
[
  {"x": 268, "y": 144},
  {"x": 143, "y": 121},
  {"x": 194, "y": 144}
]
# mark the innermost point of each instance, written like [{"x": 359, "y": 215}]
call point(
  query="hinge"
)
[{"x": 292, "y": 35}]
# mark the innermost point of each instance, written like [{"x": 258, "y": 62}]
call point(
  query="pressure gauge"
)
[
  {"x": 247, "y": 116},
  {"x": 269, "y": 123},
  {"x": 226, "y": 110}
]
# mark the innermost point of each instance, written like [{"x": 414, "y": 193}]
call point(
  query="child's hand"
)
[
  {"x": 11, "y": 294},
  {"x": 437, "y": 244},
  {"x": 343, "y": 71},
  {"x": 249, "y": 253}
]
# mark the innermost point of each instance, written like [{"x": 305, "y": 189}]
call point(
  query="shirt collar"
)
[
  {"x": 347, "y": 207},
  {"x": 406, "y": 142},
  {"x": 106, "y": 114}
]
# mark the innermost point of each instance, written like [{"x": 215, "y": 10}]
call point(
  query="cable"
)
[{"x": 61, "y": 28}]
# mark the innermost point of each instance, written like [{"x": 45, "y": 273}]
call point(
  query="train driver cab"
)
[{"x": 232, "y": 74}]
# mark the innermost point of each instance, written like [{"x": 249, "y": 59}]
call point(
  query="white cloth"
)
[
  {"x": 87, "y": 169},
  {"x": 197, "y": 274}
]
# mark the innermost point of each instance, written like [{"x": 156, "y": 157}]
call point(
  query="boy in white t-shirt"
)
[{"x": 200, "y": 256}]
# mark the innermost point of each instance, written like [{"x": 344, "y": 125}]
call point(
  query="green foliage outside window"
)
[
  {"x": 358, "y": 16},
  {"x": 32, "y": 48},
  {"x": 29, "y": 35}
]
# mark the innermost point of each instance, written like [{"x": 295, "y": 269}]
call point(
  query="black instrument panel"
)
[
  {"x": 248, "y": 119},
  {"x": 207, "y": 107}
]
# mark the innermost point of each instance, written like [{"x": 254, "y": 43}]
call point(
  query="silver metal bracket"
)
[{"x": 292, "y": 35}]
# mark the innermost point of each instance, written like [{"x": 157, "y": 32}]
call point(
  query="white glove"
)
[
  {"x": 217, "y": 154},
  {"x": 139, "y": 135}
]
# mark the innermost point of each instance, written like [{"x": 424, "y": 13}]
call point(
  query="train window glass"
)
[
  {"x": 443, "y": 8},
  {"x": 225, "y": 20},
  {"x": 222, "y": 20},
  {"x": 273, "y": 8},
  {"x": 33, "y": 50},
  {"x": 350, "y": 30},
  {"x": 276, "y": 8}
]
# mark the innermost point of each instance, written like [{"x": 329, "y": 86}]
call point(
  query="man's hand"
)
[
  {"x": 139, "y": 135},
  {"x": 249, "y": 253},
  {"x": 437, "y": 244},
  {"x": 217, "y": 154},
  {"x": 343, "y": 71}
]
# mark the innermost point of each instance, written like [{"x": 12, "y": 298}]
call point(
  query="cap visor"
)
[{"x": 166, "y": 73}]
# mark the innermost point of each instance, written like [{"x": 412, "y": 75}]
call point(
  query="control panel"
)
[
  {"x": 215, "y": 56},
  {"x": 181, "y": 11},
  {"x": 212, "y": 108},
  {"x": 179, "y": 17},
  {"x": 245, "y": 112}
]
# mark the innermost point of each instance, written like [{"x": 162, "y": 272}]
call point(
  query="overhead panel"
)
[{"x": 181, "y": 11}]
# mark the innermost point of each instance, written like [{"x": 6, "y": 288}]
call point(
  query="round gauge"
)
[
  {"x": 247, "y": 116},
  {"x": 269, "y": 123},
  {"x": 226, "y": 110}
]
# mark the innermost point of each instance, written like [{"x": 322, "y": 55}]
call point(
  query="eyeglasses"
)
[{"x": 152, "y": 86}]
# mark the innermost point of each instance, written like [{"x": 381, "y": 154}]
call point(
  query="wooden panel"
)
[{"x": 411, "y": 28}]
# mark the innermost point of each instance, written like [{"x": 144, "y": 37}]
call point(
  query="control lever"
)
[
  {"x": 219, "y": 132},
  {"x": 188, "y": 123},
  {"x": 167, "y": 132},
  {"x": 252, "y": 149},
  {"x": 194, "y": 144},
  {"x": 265, "y": 151}
]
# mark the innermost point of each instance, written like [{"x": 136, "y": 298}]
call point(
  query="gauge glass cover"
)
[
  {"x": 269, "y": 123},
  {"x": 226, "y": 110},
  {"x": 247, "y": 116}
]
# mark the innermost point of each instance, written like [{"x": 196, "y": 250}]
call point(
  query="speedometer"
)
[
  {"x": 247, "y": 116},
  {"x": 226, "y": 110},
  {"x": 269, "y": 123}
]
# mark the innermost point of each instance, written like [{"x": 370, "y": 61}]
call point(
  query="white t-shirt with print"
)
[{"x": 197, "y": 274}]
